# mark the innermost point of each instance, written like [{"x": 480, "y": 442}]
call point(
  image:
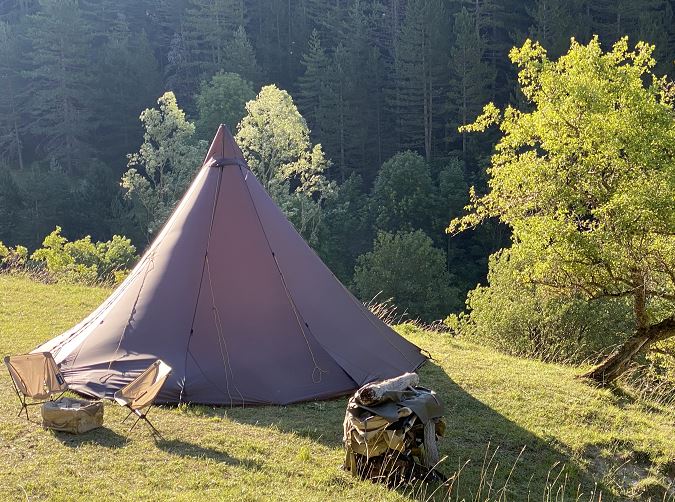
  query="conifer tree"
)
[
  {"x": 553, "y": 24},
  {"x": 337, "y": 110},
  {"x": 313, "y": 85},
  {"x": 60, "y": 74},
  {"x": 420, "y": 60},
  {"x": 12, "y": 99},
  {"x": 208, "y": 26},
  {"x": 240, "y": 57},
  {"x": 128, "y": 81},
  {"x": 471, "y": 76}
]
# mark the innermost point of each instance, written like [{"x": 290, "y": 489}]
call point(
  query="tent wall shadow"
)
[{"x": 475, "y": 435}]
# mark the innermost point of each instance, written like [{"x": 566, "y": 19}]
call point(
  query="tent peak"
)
[{"x": 223, "y": 146}]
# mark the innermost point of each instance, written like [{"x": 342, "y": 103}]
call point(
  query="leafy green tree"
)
[
  {"x": 83, "y": 260},
  {"x": 221, "y": 100},
  {"x": 60, "y": 75},
  {"x": 160, "y": 172},
  {"x": 407, "y": 268},
  {"x": 586, "y": 181},
  {"x": 274, "y": 138},
  {"x": 404, "y": 196}
]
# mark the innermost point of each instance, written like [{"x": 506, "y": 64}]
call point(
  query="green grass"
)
[{"x": 575, "y": 436}]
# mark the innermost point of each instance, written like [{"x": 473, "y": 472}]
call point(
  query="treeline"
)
[{"x": 372, "y": 78}]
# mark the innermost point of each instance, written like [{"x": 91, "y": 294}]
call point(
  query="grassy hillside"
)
[{"x": 578, "y": 441}]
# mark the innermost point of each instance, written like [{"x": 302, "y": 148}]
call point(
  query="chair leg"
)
[
  {"x": 154, "y": 431},
  {"x": 134, "y": 424},
  {"x": 144, "y": 417},
  {"x": 128, "y": 415}
]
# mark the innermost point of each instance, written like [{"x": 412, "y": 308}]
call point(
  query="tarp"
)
[{"x": 234, "y": 300}]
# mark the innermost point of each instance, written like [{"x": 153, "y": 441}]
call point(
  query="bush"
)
[
  {"x": 83, "y": 260},
  {"x": 407, "y": 268},
  {"x": 534, "y": 321},
  {"x": 11, "y": 258}
]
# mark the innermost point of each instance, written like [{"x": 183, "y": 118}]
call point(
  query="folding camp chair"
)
[
  {"x": 35, "y": 376},
  {"x": 140, "y": 394}
]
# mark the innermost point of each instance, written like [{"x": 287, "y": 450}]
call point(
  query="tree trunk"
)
[{"x": 617, "y": 363}]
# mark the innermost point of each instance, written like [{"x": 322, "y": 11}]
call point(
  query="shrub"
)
[
  {"x": 12, "y": 257},
  {"x": 534, "y": 321},
  {"x": 85, "y": 261},
  {"x": 407, "y": 268}
]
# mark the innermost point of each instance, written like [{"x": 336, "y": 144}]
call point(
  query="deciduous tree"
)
[
  {"x": 586, "y": 180},
  {"x": 161, "y": 170},
  {"x": 274, "y": 138}
]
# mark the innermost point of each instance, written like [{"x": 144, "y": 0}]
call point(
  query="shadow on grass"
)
[
  {"x": 184, "y": 449},
  {"x": 486, "y": 448},
  {"x": 102, "y": 436}
]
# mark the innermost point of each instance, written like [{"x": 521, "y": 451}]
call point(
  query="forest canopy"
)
[{"x": 355, "y": 115}]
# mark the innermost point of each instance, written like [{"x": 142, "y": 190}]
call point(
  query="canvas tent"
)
[{"x": 234, "y": 300}]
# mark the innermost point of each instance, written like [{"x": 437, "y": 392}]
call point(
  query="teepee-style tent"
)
[{"x": 234, "y": 300}]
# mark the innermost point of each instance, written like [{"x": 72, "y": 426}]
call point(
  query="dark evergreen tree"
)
[
  {"x": 240, "y": 57},
  {"x": 128, "y": 82},
  {"x": 208, "y": 26},
  {"x": 471, "y": 76},
  {"x": 313, "y": 86},
  {"x": 13, "y": 123},
  {"x": 421, "y": 57},
  {"x": 60, "y": 76},
  {"x": 554, "y": 22}
]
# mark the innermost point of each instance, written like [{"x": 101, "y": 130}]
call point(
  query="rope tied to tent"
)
[
  {"x": 222, "y": 342},
  {"x": 317, "y": 371}
]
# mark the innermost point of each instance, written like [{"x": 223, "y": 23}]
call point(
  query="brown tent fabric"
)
[{"x": 235, "y": 301}]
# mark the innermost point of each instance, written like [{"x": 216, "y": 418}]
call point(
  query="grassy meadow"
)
[{"x": 517, "y": 430}]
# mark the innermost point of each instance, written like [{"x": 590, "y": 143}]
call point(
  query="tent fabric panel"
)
[
  {"x": 247, "y": 336},
  {"x": 292, "y": 331},
  {"x": 151, "y": 316},
  {"x": 365, "y": 347}
]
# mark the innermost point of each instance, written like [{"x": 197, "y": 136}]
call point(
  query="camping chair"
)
[
  {"x": 35, "y": 376},
  {"x": 140, "y": 394}
]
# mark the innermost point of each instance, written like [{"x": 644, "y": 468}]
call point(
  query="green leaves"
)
[
  {"x": 221, "y": 100},
  {"x": 85, "y": 261},
  {"x": 586, "y": 176},
  {"x": 164, "y": 165},
  {"x": 274, "y": 139},
  {"x": 406, "y": 268}
]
